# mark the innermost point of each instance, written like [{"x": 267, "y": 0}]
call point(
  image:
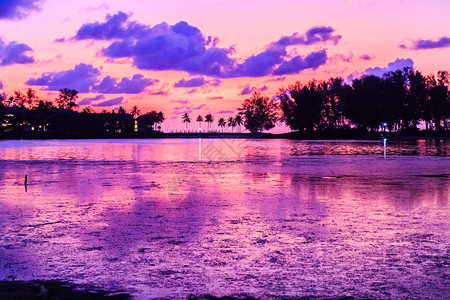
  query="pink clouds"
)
[
  {"x": 421, "y": 44},
  {"x": 84, "y": 79},
  {"x": 14, "y": 53},
  {"x": 18, "y": 9},
  {"x": 183, "y": 47}
]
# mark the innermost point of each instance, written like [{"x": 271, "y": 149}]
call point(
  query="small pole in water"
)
[
  {"x": 200, "y": 149},
  {"x": 26, "y": 180},
  {"x": 384, "y": 144}
]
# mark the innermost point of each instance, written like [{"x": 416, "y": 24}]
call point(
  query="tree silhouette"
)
[
  {"x": 222, "y": 123},
  {"x": 438, "y": 104},
  {"x": 135, "y": 111},
  {"x": 209, "y": 119},
  {"x": 88, "y": 110},
  {"x": 66, "y": 99},
  {"x": 19, "y": 99},
  {"x": 3, "y": 97},
  {"x": 122, "y": 111},
  {"x": 199, "y": 120},
  {"x": 415, "y": 100},
  {"x": 332, "y": 112},
  {"x": 260, "y": 113},
  {"x": 238, "y": 121},
  {"x": 186, "y": 119},
  {"x": 31, "y": 98},
  {"x": 302, "y": 105}
]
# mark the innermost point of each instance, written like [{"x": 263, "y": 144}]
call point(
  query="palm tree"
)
[
  {"x": 209, "y": 119},
  {"x": 231, "y": 123},
  {"x": 186, "y": 119},
  {"x": 238, "y": 121},
  {"x": 135, "y": 111},
  {"x": 222, "y": 123},
  {"x": 159, "y": 119},
  {"x": 200, "y": 120}
]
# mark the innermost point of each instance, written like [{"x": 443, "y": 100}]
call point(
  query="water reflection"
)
[{"x": 278, "y": 217}]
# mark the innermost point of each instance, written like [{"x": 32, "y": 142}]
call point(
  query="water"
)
[{"x": 169, "y": 218}]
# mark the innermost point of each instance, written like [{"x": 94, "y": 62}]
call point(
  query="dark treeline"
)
[
  {"x": 404, "y": 102},
  {"x": 400, "y": 101},
  {"x": 24, "y": 115}
]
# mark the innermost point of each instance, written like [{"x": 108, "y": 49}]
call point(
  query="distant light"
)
[{"x": 384, "y": 124}]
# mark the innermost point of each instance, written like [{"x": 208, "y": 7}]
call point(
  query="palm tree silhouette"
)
[
  {"x": 238, "y": 121},
  {"x": 135, "y": 111},
  {"x": 200, "y": 120},
  {"x": 222, "y": 123},
  {"x": 209, "y": 119},
  {"x": 186, "y": 119},
  {"x": 231, "y": 123}
]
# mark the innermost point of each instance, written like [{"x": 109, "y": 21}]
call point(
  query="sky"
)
[{"x": 200, "y": 57}]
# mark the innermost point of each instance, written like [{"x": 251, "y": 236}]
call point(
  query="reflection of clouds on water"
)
[{"x": 268, "y": 220}]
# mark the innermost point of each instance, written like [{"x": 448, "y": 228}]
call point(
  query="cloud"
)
[
  {"x": 115, "y": 27},
  {"x": 196, "y": 82},
  {"x": 314, "y": 35},
  {"x": 112, "y": 102},
  {"x": 299, "y": 63},
  {"x": 60, "y": 40},
  {"x": 398, "y": 64},
  {"x": 215, "y": 98},
  {"x": 159, "y": 92},
  {"x": 183, "y": 47},
  {"x": 366, "y": 57},
  {"x": 277, "y": 78},
  {"x": 85, "y": 78},
  {"x": 1, "y": 85},
  {"x": 420, "y": 44},
  {"x": 185, "y": 101},
  {"x": 14, "y": 53},
  {"x": 226, "y": 112},
  {"x": 182, "y": 110},
  {"x": 261, "y": 64},
  {"x": 89, "y": 100},
  {"x": 81, "y": 78},
  {"x": 135, "y": 85},
  {"x": 250, "y": 89},
  {"x": 18, "y": 9},
  {"x": 201, "y": 106}
]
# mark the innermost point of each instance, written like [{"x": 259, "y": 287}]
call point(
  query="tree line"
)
[
  {"x": 26, "y": 115},
  {"x": 231, "y": 122},
  {"x": 398, "y": 101}
]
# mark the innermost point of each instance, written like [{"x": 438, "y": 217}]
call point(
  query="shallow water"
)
[{"x": 169, "y": 218}]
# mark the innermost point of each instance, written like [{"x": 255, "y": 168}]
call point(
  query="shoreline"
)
[{"x": 289, "y": 136}]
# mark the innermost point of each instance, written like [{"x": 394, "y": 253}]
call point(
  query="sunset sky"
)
[{"x": 201, "y": 57}]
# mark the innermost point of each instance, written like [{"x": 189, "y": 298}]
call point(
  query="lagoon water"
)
[{"x": 268, "y": 218}]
